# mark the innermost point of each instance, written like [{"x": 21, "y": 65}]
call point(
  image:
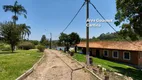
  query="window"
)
[
  {"x": 126, "y": 55},
  {"x": 115, "y": 54},
  {"x": 106, "y": 53}
]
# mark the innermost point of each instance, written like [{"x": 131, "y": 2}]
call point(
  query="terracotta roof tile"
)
[{"x": 120, "y": 45}]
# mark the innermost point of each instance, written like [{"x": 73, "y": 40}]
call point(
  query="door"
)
[
  {"x": 91, "y": 52},
  {"x": 97, "y": 53}
]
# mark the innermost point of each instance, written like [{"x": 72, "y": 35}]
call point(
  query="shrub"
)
[
  {"x": 41, "y": 48},
  {"x": 35, "y": 42},
  {"x": 1, "y": 46},
  {"x": 26, "y": 45},
  {"x": 5, "y": 47}
]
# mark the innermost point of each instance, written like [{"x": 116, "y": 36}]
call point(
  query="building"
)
[{"x": 121, "y": 51}]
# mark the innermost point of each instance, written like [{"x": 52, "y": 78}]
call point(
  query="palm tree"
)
[
  {"x": 16, "y": 9},
  {"x": 25, "y": 30}
]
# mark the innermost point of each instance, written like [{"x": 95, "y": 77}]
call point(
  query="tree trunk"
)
[
  {"x": 15, "y": 19},
  {"x": 75, "y": 49},
  {"x": 12, "y": 48}
]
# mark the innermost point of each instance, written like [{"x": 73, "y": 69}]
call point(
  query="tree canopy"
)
[
  {"x": 17, "y": 9},
  {"x": 115, "y": 36},
  {"x": 44, "y": 40},
  {"x": 64, "y": 39},
  {"x": 129, "y": 14},
  {"x": 69, "y": 39},
  {"x": 25, "y": 30},
  {"x": 74, "y": 38},
  {"x": 11, "y": 34}
]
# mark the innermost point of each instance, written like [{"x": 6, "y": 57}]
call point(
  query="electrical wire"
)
[
  {"x": 110, "y": 24},
  {"x": 74, "y": 17},
  {"x": 103, "y": 17}
]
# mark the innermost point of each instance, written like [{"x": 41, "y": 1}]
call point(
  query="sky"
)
[{"x": 52, "y": 16}]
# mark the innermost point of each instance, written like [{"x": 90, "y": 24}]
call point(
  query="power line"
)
[
  {"x": 74, "y": 17},
  {"x": 103, "y": 17},
  {"x": 110, "y": 24}
]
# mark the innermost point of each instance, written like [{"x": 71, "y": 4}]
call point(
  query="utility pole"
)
[
  {"x": 50, "y": 40},
  {"x": 87, "y": 33}
]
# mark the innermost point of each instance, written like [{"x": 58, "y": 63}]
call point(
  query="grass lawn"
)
[
  {"x": 113, "y": 66},
  {"x": 12, "y": 65}
]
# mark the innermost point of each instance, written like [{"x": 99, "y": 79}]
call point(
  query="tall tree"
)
[
  {"x": 68, "y": 40},
  {"x": 74, "y": 38},
  {"x": 64, "y": 39},
  {"x": 17, "y": 9},
  {"x": 44, "y": 40},
  {"x": 129, "y": 13},
  {"x": 10, "y": 33},
  {"x": 25, "y": 30}
]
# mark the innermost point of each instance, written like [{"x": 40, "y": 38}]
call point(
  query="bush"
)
[
  {"x": 40, "y": 48},
  {"x": 26, "y": 45},
  {"x": 35, "y": 42},
  {"x": 5, "y": 47},
  {"x": 1, "y": 46}
]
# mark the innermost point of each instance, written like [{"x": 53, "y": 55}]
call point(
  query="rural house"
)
[{"x": 121, "y": 51}]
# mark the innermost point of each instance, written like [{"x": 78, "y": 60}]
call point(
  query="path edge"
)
[
  {"x": 85, "y": 67},
  {"x": 28, "y": 72}
]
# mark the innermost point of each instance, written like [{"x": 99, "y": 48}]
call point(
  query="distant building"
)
[{"x": 121, "y": 51}]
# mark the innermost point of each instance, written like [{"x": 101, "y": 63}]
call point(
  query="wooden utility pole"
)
[{"x": 87, "y": 33}]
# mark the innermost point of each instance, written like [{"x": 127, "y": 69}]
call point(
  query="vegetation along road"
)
[
  {"x": 12, "y": 65},
  {"x": 57, "y": 66}
]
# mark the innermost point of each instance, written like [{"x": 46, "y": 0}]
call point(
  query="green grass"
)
[
  {"x": 12, "y": 65},
  {"x": 113, "y": 66}
]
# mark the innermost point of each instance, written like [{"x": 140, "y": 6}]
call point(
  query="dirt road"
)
[{"x": 57, "y": 66}]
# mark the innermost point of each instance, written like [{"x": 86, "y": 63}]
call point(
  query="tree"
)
[
  {"x": 102, "y": 36},
  {"x": 25, "y": 30},
  {"x": 64, "y": 39},
  {"x": 16, "y": 9},
  {"x": 54, "y": 43},
  {"x": 1, "y": 38},
  {"x": 68, "y": 40},
  {"x": 107, "y": 37},
  {"x": 43, "y": 40},
  {"x": 129, "y": 13},
  {"x": 74, "y": 38},
  {"x": 94, "y": 39},
  {"x": 10, "y": 33},
  {"x": 35, "y": 42}
]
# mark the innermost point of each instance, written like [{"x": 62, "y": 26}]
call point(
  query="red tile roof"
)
[{"x": 119, "y": 45}]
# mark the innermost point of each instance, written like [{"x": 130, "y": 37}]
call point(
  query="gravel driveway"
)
[{"x": 57, "y": 66}]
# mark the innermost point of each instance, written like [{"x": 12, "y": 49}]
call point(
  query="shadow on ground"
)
[
  {"x": 134, "y": 73},
  {"x": 7, "y": 52}
]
